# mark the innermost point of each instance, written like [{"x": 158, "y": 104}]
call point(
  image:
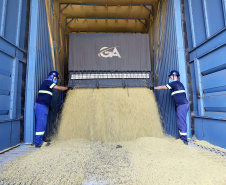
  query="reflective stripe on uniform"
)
[
  {"x": 52, "y": 85},
  {"x": 47, "y": 92},
  {"x": 39, "y": 133},
  {"x": 183, "y": 133},
  {"x": 177, "y": 92},
  {"x": 168, "y": 86}
]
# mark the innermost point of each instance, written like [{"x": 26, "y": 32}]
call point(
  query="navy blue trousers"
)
[
  {"x": 41, "y": 113},
  {"x": 182, "y": 111}
]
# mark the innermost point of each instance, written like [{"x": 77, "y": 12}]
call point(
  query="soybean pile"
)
[
  {"x": 110, "y": 115},
  {"x": 114, "y": 136},
  {"x": 146, "y": 160}
]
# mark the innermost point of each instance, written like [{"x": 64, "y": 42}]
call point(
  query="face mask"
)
[
  {"x": 170, "y": 80},
  {"x": 55, "y": 81}
]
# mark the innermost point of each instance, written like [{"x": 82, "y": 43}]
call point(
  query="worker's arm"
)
[
  {"x": 160, "y": 87},
  {"x": 60, "y": 88}
]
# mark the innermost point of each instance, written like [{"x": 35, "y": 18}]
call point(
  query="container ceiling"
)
[
  {"x": 109, "y": 2},
  {"x": 107, "y": 15}
]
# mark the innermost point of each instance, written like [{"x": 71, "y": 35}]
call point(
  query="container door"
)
[
  {"x": 39, "y": 64},
  {"x": 206, "y": 21},
  {"x": 12, "y": 41}
]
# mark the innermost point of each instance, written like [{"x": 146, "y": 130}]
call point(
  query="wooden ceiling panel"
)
[
  {"x": 107, "y": 26},
  {"x": 106, "y": 12},
  {"x": 99, "y": 16}
]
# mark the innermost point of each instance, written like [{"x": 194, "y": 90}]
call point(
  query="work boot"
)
[
  {"x": 38, "y": 146},
  {"x": 48, "y": 144},
  {"x": 185, "y": 142}
]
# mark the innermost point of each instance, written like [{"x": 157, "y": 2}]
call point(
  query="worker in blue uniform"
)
[
  {"x": 182, "y": 106},
  {"x": 42, "y": 104}
]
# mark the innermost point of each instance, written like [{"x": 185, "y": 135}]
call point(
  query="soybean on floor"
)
[{"x": 146, "y": 160}]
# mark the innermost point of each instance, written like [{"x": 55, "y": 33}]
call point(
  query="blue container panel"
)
[
  {"x": 5, "y": 87},
  {"x": 208, "y": 67},
  {"x": 198, "y": 124},
  {"x": 214, "y": 80},
  {"x": 5, "y": 82},
  {"x": 15, "y": 138},
  {"x": 169, "y": 61},
  {"x": 23, "y": 23},
  {"x": 7, "y": 47},
  {"x": 20, "y": 84},
  {"x": 211, "y": 131},
  {"x": 1, "y": 9},
  {"x": 194, "y": 92},
  {"x": 214, "y": 62},
  {"x": 10, "y": 31},
  {"x": 5, "y": 130},
  {"x": 6, "y": 64},
  {"x": 198, "y": 23},
  {"x": 204, "y": 19},
  {"x": 188, "y": 19},
  {"x": 214, "y": 16},
  {"x": 39, "y": 65}
]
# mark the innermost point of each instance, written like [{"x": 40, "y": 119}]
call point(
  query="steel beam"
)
[
  {"x": 79, "y": 4},
  {"x": 224, "y": 8},
  {"x": 64, "y": 8},
  {"x": 73, "y": 18},
  {"x": 205, "y": 15},
  {"x": 70, "y": 20},
  {"x": 65, "y": 37},
  {"x": 144, "y": 23},
  {"x": 151, "y": 11},
  {"x": 54, "y": 37},
  {"x": 104, "y": 18},
  {"x": 59, "y": 93},
  {"x": 160, "y": 35},
  {"x": 30, "y": 76},
  {"x": 2, "y": 26},
  {"x": 182, "y": 58},
  {"x": 105, "y": 5},
  {"x": 13, "y": 92},
  {"x": 12, "y": 44},
  {"x": 19, "y": 23}
]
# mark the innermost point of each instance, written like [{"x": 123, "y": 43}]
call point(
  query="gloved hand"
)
[
  {"x": 152, "y": 88},
  {"x": 50, "y": 108},
  {"x": 69, "y": 88}
]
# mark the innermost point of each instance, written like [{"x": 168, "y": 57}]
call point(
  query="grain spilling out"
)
[
  {"x": 114, "y": 136},
  {"x": 110, "y": 114}
]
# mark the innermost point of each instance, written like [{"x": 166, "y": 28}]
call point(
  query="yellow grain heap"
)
[
  {"x": 110, "y": 114},
  {"x": 114, "y": 115}
]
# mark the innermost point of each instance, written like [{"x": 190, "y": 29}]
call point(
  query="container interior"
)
[{"x": 137, "y": 17}]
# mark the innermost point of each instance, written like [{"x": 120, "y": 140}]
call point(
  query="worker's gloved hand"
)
[
  {"x": 69, "y": 88},
  {"x": 50, "y": 108},
  {"x": 152, "y": 88}
]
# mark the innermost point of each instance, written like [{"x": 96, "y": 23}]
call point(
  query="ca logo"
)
[{"x": 106, "y": 53}]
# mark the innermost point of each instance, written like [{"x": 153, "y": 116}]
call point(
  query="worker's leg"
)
[
  {"x": 41, "y": 113},
  {"x": 182, "y": 111}
]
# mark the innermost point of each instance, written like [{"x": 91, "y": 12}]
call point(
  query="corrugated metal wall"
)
[
  {"x": 46, "y": 52},
  {"x": 206, "y": 21},
  {"x": 12, "y": 45},
  {"x": 168, "y": 54},
  {"x": 39, "y": 65}
]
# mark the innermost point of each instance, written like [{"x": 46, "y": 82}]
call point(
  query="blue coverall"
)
[
  {"x": 42, "y": 104},
  {"x": 182, "y": 106}
]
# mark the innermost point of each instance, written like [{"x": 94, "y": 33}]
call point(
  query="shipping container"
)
[{"x": 186, "y": 35}]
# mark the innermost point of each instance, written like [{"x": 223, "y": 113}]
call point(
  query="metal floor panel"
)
[{"x": 15, "y": 153}]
